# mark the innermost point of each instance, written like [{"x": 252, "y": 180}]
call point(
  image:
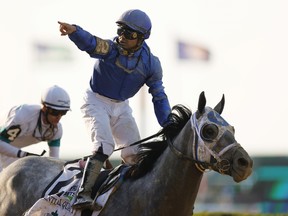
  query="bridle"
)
[{"x": 222, "y": 165}]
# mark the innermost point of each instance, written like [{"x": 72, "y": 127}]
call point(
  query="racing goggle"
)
[
  {"x": 128, "y": 33},
  {"x": 55, "y": 112}
]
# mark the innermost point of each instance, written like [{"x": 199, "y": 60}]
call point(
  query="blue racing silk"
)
[{"x": 119, "y": 75}]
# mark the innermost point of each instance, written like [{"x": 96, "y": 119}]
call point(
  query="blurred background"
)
[{"x": 236, "y": 48}]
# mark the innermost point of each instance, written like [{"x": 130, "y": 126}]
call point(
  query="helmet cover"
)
[
  {"x": 137, "y": 20},
  {"x": 56, "y": 97}
]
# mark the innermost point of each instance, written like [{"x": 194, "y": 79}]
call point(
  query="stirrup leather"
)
[{"x": 82, "y": 203}]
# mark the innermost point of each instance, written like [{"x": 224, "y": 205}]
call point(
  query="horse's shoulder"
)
[{"x": 38, "y": 163}]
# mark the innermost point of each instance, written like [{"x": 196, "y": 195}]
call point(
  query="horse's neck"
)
[{"x": 179, "y": 177}]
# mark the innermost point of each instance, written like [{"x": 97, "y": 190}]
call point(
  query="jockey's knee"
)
[
  {"x": 129, "y": 155},
  {"x": 130, "y": 159}
]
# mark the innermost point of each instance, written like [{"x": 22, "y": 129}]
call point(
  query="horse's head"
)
[
  {"x": 210, "y": 146},
  {"x": 215, "y": 144}
]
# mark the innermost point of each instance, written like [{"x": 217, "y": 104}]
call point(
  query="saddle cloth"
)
[{"x": 61, "y": 194}]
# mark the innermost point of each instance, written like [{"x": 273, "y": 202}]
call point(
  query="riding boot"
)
[{"x": 91, "y": 172}]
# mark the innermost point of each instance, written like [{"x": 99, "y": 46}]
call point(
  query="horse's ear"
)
[
  {"x": 201, "y": 102},
  {"x": 220, "y": 106}
]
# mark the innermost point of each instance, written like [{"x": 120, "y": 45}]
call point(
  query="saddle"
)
[
  {"x": 60, "y": 194},
  {"x": 108, "y": 179}
]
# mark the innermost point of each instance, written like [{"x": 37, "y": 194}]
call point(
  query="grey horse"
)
[{"x": 166, "y": 179}]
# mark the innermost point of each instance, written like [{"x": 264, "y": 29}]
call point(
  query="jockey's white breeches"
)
[{"x": 110, "y": 125}]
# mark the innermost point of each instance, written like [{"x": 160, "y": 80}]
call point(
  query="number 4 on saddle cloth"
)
[{"x": 60, "y": 194}]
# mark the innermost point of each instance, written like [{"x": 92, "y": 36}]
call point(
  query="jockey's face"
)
[
  {"x": 54, "y": 120},
  {"x": 53, "y": 116},
  {"x": 126, "y": 43},
  {"x": 128, "y": 38}
]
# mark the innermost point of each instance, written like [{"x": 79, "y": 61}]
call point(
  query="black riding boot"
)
[{"x": 91, "y": 172}]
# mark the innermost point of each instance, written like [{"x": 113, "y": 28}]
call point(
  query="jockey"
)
[
  {"x": 123, "y": 65},
  {"x": 28, "y": 124}
]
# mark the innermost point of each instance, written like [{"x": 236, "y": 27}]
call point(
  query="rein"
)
[
  {"x": 222, "y": 165},
  {"x": 140, "y": 141}
]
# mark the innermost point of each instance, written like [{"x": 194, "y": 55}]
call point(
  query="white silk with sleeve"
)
[
  {"x": 54, "y": 151},
  {"x": 20, "y": 128}
]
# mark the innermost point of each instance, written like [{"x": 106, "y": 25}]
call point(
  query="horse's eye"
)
[{"x": 209, "y": 132}]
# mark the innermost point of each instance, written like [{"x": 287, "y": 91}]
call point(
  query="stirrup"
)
[{"x": 82, "y": 203}]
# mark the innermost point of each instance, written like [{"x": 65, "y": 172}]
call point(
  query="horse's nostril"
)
[{"x": 243, "y": 162}]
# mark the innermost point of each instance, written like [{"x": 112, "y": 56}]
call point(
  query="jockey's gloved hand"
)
[
  {"x": 21, "y": 154},
  {"x": 167, "y": 123}
]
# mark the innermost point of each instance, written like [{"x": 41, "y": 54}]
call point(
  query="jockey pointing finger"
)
[
  {"x": 66, "y": 28},
  {"x": 123, "y": 65}
]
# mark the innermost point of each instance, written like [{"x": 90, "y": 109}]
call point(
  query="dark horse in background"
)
[{"x": 166, "y": 179}]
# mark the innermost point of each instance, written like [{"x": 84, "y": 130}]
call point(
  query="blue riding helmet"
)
[{"x": 136, "y": 20}]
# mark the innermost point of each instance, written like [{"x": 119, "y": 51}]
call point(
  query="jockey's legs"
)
[
  {"x": 91, "y": 172},
  {"x": 125, "y": 132},
  {"x": 106, "y": 121},
  {"x": 110, "y": 123},
  {"x": 96, "y": 113}
]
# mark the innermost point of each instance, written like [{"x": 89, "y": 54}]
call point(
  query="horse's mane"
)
[{"x": 149, "y": 152}]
